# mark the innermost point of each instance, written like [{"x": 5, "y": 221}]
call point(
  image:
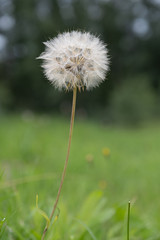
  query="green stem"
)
[
  {"x": 66, "y": 162},
  {"x": 128, "y": 219}
]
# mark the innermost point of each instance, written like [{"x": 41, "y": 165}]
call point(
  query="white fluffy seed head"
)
[{"x": 75, "y": 59}]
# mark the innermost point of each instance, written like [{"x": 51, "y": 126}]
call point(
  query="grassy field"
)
[{"x": 97, "y": 187}]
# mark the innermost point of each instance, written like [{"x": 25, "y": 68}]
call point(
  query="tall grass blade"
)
[{"x": 128, "y": 219}]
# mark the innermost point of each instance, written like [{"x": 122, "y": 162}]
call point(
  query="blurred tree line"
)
[{"x": 130, "y": 29}]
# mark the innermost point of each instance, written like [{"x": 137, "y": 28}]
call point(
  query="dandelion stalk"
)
[{"x": 66, "y": 162}]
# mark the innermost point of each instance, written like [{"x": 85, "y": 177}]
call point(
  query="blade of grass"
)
[
  {"x": 87, "y": 228},
  {"x": 128, "y": 219}
]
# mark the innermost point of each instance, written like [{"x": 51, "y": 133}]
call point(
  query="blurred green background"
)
[{"x": 131, "y": 30}]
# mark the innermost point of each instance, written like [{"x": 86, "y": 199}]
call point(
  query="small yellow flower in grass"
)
[
  {"x": 89, "y": 158},
  {"x": 102, "y": 184},
  {"x": 106, "y": 152}
]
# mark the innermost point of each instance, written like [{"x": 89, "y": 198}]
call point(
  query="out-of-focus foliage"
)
[
  {"x": 130, "y": 28},
  {"x": 133, "y": 102},
  {"x": 94, "y": 197}
]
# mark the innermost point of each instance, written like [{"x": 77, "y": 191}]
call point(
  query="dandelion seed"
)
[{"x": 75, "y": 59}]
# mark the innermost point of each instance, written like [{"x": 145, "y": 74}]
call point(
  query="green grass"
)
[{"x": 94, "y": 199}]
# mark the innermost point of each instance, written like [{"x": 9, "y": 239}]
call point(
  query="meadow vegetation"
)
[{"x": 108, "y": 166}]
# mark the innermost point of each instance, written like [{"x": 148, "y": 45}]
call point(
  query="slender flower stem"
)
[
  {"x": 66, "y": 162},
  {"x": 128, "y": 219}
]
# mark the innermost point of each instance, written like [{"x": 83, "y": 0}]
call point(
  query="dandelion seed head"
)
[{"x": 75, "y": 59}]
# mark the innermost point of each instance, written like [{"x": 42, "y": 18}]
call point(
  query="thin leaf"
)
[{"x": 87, "y": 228}]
